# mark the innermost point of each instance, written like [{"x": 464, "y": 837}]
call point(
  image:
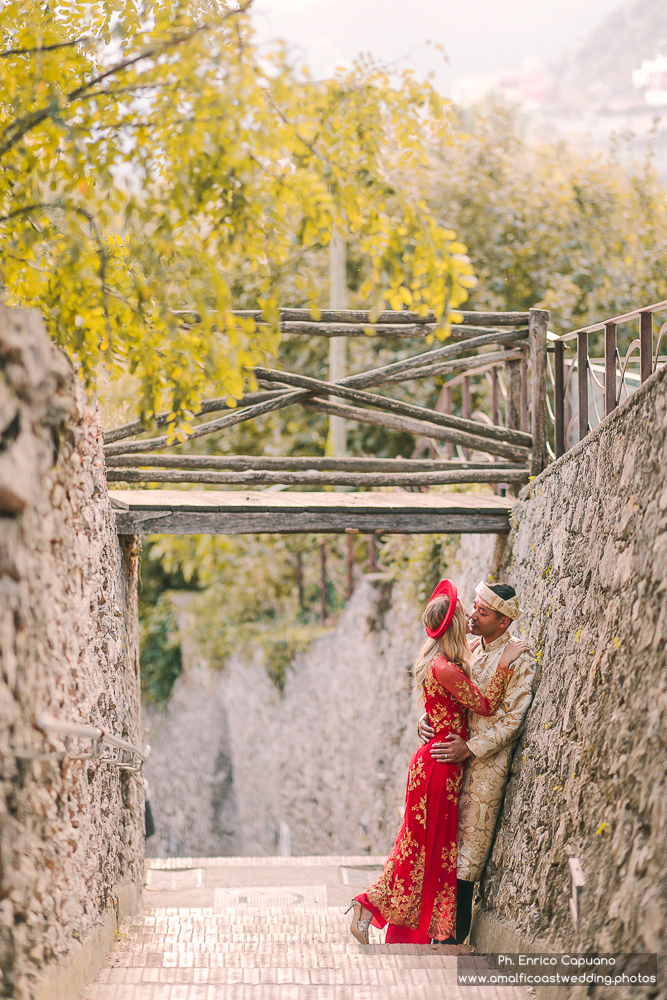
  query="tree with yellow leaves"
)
[{"x": 153, "y": 164}]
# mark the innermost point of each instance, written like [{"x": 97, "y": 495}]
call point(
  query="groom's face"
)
[{"x": 484, "y": 621}]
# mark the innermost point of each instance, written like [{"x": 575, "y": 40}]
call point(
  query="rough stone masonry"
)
[
  {"x": 71, "y": 832},
  {"x": 588, "y": 554}
]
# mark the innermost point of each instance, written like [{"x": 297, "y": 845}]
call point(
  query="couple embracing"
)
[{"x": 476, "y": 684}]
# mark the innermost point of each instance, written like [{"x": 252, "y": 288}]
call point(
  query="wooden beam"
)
[
  {"x": 395, "y": 406},
  {"x": 513, "y": 404},
  {"x": 420, "y": 427},
  {"x": 456, "y": 332},
  {"x": 645, "y": 346},
  {"x": 476, "y": 365},
  {"x": 365, "y": 316},
  {"x": 210, "y": 427},
  {"x": 299, "y": 462},
  {"x": 467, "y": 367},
  {"x": 370, "y": 480},
  {"x": 559, "y": 398},
  {"x": 184, "y": 523},
  {"x": 206, "y": 406},
  {"x": 610, "y": 340},
  {"x": 376, "y": 376},
  {"x": 582, "y": 382},
  {"x": 513, "y": 382},
  {"x": 244, "y": 511},
  {"x": 537, "y": 324}
]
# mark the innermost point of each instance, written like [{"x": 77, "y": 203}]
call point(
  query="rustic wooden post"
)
[
  {"x": 448, "y": 409},
  {"x": 645, "y": 345},
  {"x": 323, "y": 581},
  {"x": 372, "y": 565},
  {"x": 494, "y": 396},
  {"x": 513, "y": 404},
  {"x": 559, "y": 398},
  {"x": 465, "y": 391},
  {"x": 538, "y": 320},
  {"x": 609, "y": 368},
  {"x": 582, "y": 383},
  {"x": 524, "y": 392},
  {"x": 497, "y": 488}
]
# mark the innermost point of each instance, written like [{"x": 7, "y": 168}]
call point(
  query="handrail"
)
[
  {"x": 98, "y": 736},
  {"x": 614, "y": 369},
  {"x": 49, "y": 724},
  {"x": 625, "y": 318}
]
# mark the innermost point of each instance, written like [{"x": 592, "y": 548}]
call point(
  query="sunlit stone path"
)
[{"x": 267, "y": 929}]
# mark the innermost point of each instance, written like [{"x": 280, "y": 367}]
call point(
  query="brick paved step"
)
[
  {"x": 362, "y": 975},
  {"x": 290, "y": 991},
  {"x": 291, "y": 947}
]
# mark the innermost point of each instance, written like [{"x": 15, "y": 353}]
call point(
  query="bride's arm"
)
[{"x": 452, "y": 679}]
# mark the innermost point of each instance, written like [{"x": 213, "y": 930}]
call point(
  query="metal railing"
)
[
  {"x": 597, "y": 397},
  {"x": 104, "y": 746}
]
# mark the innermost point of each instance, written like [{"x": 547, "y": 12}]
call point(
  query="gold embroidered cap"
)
[{"x": 510, "y": 608}]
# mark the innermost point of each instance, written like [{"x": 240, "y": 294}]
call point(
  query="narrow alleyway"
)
[{"x": 266, "y": 929}]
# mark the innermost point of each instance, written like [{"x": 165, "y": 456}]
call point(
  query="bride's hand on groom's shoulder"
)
[{"x": 513, "y": 650}]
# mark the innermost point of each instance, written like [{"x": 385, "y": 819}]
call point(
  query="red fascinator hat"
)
[{"x": 446, "y": 588}]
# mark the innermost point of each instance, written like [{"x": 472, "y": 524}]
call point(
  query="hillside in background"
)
[{"x": 598, "y": 72}]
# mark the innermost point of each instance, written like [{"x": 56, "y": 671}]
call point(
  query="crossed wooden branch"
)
[{"x": 287, "y": 388}]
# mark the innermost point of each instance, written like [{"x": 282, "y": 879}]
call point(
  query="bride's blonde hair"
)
[{"x": 453, "y": 644}]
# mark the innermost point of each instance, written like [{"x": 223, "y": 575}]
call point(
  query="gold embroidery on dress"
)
[
  {"x": 391, "y": 898},
  {"x": 449, "y": 854},
  {"x": 416, "y": 775},
  {"x": 454, "y": 785},
  {"x": 444, "y": 914},
  {"x": 420, "y": 811}
]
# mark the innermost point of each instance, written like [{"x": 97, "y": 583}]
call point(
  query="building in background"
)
[{"x": 652, "y": 79}]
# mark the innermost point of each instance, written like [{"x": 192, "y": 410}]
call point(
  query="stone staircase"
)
[{"x": 267, "y": 929}]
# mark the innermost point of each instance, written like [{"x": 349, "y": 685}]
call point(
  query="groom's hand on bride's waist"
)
[
  {"x": 452, "y": 750},
  {"x": 424, "y": 729}
]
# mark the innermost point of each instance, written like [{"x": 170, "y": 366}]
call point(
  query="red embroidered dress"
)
[{"x": 416, "y": 893}]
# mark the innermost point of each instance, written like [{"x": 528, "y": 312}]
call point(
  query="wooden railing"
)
[
  {"x": 607, "y": 377},
  {"x": 516, "y": 372}
]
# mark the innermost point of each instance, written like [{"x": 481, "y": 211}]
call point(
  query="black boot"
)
[{"x": 464, "y": 894}]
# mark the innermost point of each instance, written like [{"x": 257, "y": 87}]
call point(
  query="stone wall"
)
[
  {"x": 71, "y": 832},
  {"x": 588, "y": 555}
]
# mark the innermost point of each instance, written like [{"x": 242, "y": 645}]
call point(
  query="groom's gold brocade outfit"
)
[{"x": 492, "y": 741}]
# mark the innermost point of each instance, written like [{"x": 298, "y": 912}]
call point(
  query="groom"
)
[{"x": 490, "y": 744}]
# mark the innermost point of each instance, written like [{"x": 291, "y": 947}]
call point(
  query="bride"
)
[{"x": 416, "y": 892}]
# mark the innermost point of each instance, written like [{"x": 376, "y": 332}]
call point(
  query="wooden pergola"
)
[{"x": 484, "y": 345}]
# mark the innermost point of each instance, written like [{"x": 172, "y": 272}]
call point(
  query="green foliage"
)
[
  {"x": 251, "y": 598},
  {"x": 159, "y": 651},
  {"x": 582, "y": 235},
  {"x": 155, "y": 171}
]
